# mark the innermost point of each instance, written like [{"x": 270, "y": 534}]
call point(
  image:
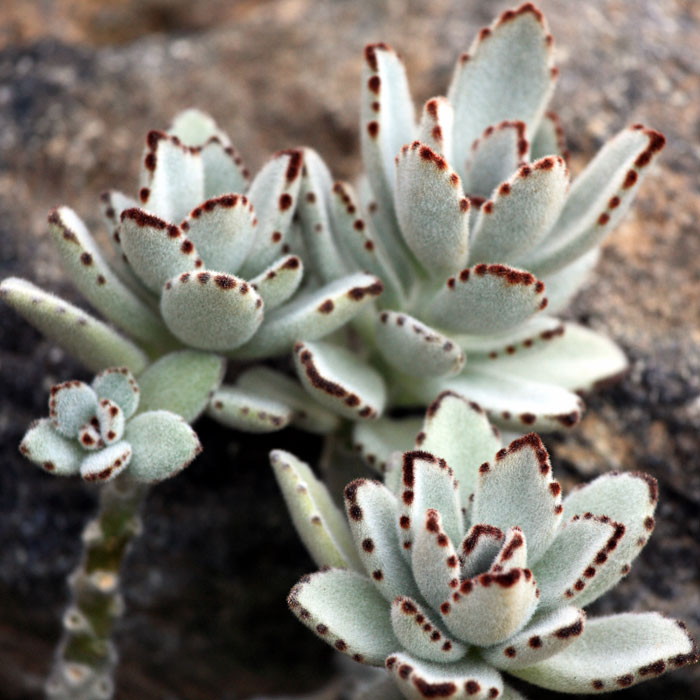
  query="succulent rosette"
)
[
  {"x": 471, "y": 221},
  {"x": 467, "y": 564}
]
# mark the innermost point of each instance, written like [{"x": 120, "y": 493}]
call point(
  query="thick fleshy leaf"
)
[
  {"x": 211, "y": 310},
  {"x": 371, "y": 510},
  {"x": 112, "y": 204},
  {"x": 338, "y": 379},
  {"x": 563, "y": 284},
  {"x": 419, "y": 633},
  {"x": 521, "y": 212},
  {"x": 494, "y": 157},
  {"x": 172, "y": 179},
  {"x": 615, "y": 652},
  {"x": 119, "y": 385},
  {"x": 181, "y": 382},
  {"x": 576, "y": 556},
  {"x": 314, "y": 213},
  {"x": 431, "y": 209},
  {"x": 517, "y": 488},
  {"x": 479, "y": 549},
  {"x": 111, "y": 420},
  {"x": 576, "y": 359},
  {"x": 428, "y": 482},
  {"x": 381, "y": 689},
  {"x": 274, "y": 193},
  {"x": 469, "y": 679},
  {"x": 513, "y": 552},
  {"x": 244, "y": 410},
  {"x": 276, "y": 284},
  {"x": 194, "y": 127},
  {"x": 309, "y": 415},
  {"x": 46, "y": 447},
  {"x": 510, "y": 693},
  {"x": 549, "y": 139},
  {"x": 437, "y": 126},
  {"x": 222, "y": 229},
  {"x": 415, "y": 348},
  {"x": 93, "y": 276},
  {"x": 512, "y": 401},
  {"x": 106, "y": 464},
  {"x": 507, "y": 74},
  {"x": 89, "y": 435},
  {"x": 599, "y": 198},
  {"x": 434, "y": 559},
  {"x": 162, "y": 445},
  {"x": 547, "y": 634},
  {"x": 91, "y": 342},
  {"x": 356, "y": 238},
  {"x": 224, "y": 170},
  {"x": 344, "y": 609},
  {"x": 321, "y": 525},
  {"x": 377, "y": 440},
  {"x": 449, "y": 416},
  {"x": 312, "y": 315},
  {"x": 487, "y": 299},
  {"x": 627, "y": 498},
  {"x": 72, "y": 404},
  {"x": 155, "y": 249}
]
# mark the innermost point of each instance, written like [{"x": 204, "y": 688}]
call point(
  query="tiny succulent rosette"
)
[
  {"x": 469, "y": 218},
  {"x": 202, "y": 258},
  {"x": 96, "y": 431},
  {"x": 464, "y": 566}
]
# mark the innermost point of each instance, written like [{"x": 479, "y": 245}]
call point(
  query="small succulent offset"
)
[
  {"x": 94, "y": 430},
  {"x": 471, "y": 223},
  {"x": 202, "y": 260},
  {"x": 457, "y": 569}
]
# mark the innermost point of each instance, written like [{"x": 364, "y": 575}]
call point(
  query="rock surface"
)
[{"x": 81, "y": 83}]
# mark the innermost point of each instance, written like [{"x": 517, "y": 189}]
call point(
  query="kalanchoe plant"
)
[
  {"x": 201, "y": 259},
  {"x": 457, "y": 570},
  {"x": 469, "y": 219}
]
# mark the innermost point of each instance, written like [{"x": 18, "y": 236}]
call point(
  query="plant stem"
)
[{"x": 85, "y": 657}]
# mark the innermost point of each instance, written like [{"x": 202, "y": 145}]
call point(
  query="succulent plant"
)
[
  {"x": 469, "y": 219},
  {"x": 93, "y": 430},
  {"x": 202, "y": 259},
  {"x": 458, "y": 569}
]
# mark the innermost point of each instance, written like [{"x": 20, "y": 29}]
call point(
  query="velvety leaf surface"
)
[
  {"x": 377, "y": 440},
  {"x": 119, "y": 385},
  {"x": 106, "y": 464},
  {"x": 437, "y": 125},
  {"x": 72, "y": 404},
  {"x": 277, "y": 283},
  {"x": 244, "y": 410},
  {"x": 50, "y": 450}
]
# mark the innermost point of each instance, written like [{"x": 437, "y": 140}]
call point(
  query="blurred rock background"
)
[{"x": 81, "y": 83}]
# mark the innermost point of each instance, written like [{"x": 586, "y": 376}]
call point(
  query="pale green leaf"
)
[{"x": 47, "y": 448}]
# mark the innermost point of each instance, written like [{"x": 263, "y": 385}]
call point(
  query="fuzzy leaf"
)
[
  {"x": 277, "y": 284},
  {"x": 563, "y": 284},
  {"x": 181, "y": 382},
  {"x": 538, "y": 329},
  {"x": 194, "y": 127},
  {"x": 91, "y": 342},
  {"x": 629, "y": 499},
  {"x": 89, "y": 435},
  {"x": 72, "y": 404},
  {"x": 172, "y": 178},
  {"x": 309, "y": 415},
  {"x": 479, "y": 549},
  {"x": 46, "y": 447},
  {"x": 224, "y": 171},
  {"x": 223, "y": 230},
  {"x": 321, "y": 525},
  {"x": 495, "y": 156},
  {"x": 106, "y": 464},
  {"x": 156, "y": 250},
  {"x": 449, "y": 416},
  {"x": 546, "y": 634},
  {"x": 469, "y": 679},
  {"x": 415, "y": 348},
  {"x": 377, "y": 440},
  {"x": 521, "y": 212},
  {"x": 437, "y": 126},
  {"x": 549, "y": 138},
  {"x": 344, "y": 609},
  {"x": 615, "y": 652},
  {"x": 487, "y": 299},
  {"x": 111, "y": 420},
  {"x": 517, "y": 489},
  {"x": 154, "y": 460},
  {"x": 274, "y": 194},
  {"x": 507, "y": 74},
  {"x": 381, "y": 689},
  {"x": 313, "y": 315},
  {"x": 211, "y": 310},
  {"x": 91, "y": 274},
  {"x": 432, "y": 209},
  {"x": 244, "y": 410},
  {"x": 371, "y": 510},
  {"x": 118, "y": 384},
  {"x": 419, "y": 634}
]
